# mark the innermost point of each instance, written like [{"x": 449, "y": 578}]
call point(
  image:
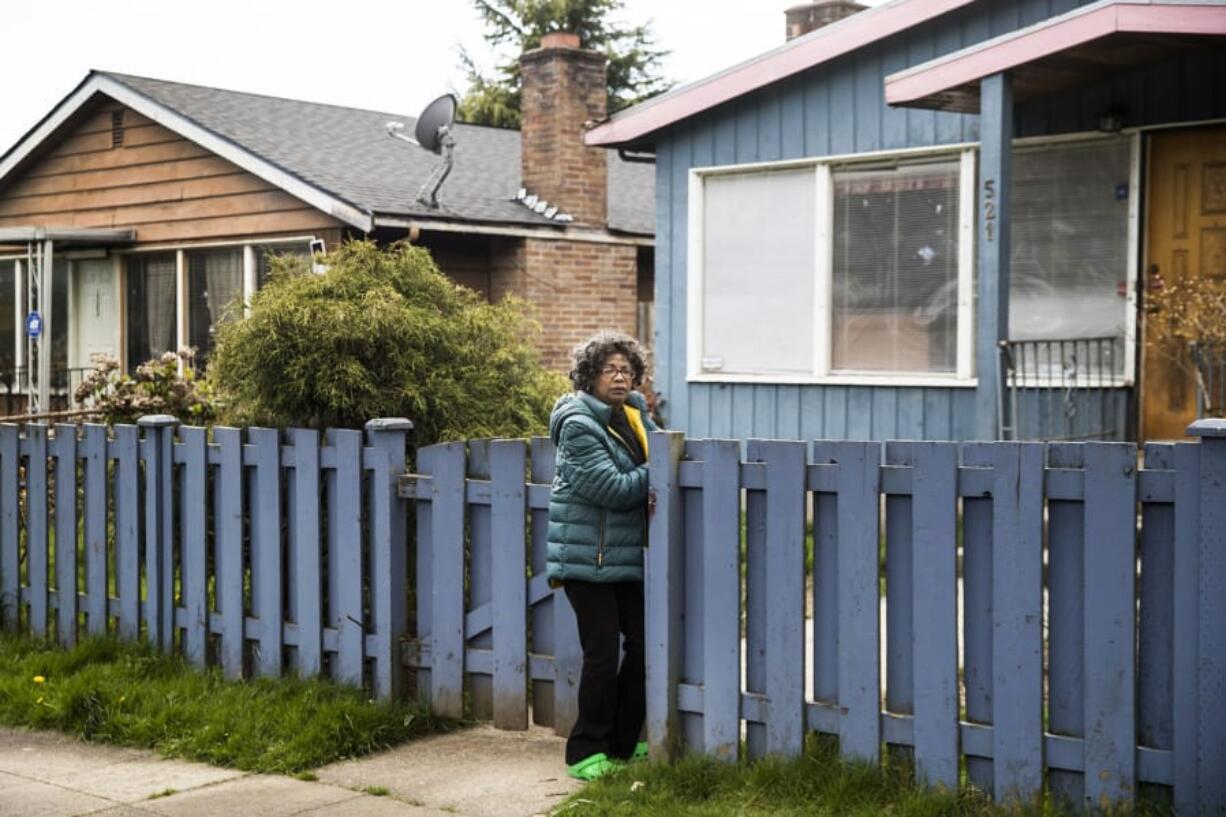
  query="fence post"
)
[
  {"x": 388, "y": 554},
  {"x": 159, "y": 534},
  {"x": 663, "y": 584},
  {"x": 1211, "y": 615}
]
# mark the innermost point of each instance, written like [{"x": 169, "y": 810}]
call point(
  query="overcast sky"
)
[{"x": 391, "y": 55}]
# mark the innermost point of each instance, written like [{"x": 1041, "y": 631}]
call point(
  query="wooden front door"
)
[{"x": 1185, "y": 236}]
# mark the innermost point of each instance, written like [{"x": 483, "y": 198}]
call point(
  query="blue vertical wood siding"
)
[{"x": 838, "y": 108}]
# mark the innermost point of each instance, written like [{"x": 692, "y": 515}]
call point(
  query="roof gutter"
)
[{"x": 550, "y": 233}]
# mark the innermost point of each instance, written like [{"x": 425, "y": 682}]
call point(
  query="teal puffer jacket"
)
[{"x": 598, "y": 505}]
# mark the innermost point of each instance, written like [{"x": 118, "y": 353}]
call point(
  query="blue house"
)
[{"x": 936, "y": 219}]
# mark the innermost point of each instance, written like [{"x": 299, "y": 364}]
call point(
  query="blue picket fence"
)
[{"x": 1023, "y": 615}]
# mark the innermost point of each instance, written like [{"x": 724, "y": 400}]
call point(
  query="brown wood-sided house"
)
[{"x": 160, "y": 203}]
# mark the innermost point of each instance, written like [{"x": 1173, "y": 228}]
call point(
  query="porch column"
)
[{"x": 992, "y": 240}]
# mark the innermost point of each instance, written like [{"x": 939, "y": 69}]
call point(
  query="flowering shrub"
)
[{"x": 156, "y": 387}]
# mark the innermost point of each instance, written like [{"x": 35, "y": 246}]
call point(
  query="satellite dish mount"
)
[{"x": 433, "y": 132}]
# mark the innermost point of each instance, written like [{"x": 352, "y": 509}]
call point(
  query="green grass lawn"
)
[
  {"x": 127, "y": 694},
  {"x": 815, "y": 785}
]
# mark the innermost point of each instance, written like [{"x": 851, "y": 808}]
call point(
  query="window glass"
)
[
  {"x": 265, "y": 253},
  {"x": 59, "y": 323},
  {"x": 215, "y": 291},
  {"x": 758, "y": 267},
  {"x": 150, "y": 307},
  {"x": 8, "y": 318},
  {"x": 894, "y": 276},
  {"x": 1069, "y": 253}
]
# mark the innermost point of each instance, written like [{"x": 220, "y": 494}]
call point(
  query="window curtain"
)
[
  {"x": 159, "y": 306},
  {"x": 215, "y": 284}
]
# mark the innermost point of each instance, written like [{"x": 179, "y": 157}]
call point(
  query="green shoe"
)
[
  {"x": 640, "y": 751},
  {"x": 592, "y": 767}
]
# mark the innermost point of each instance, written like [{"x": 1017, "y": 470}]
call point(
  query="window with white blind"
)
[{"x": 853, "y": 270}]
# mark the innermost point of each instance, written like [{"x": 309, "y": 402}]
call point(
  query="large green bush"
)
[{"x": 382, "y": 333}]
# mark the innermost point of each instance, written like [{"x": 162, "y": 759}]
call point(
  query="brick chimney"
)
[
  {"x": 564, "y": 87},
  {"x": 810, "y": 16}
]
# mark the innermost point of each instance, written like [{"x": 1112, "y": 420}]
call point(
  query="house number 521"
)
[{"x": 989, "y": 209}]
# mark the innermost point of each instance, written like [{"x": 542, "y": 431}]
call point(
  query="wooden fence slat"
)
[
  {"x": 93, "y": 451},
  {"x": 1155, "y": 701},
  {"x": 900, "y": 623},
  {"x": 36, "y": 527},
  {"x": 859, "y": 600},
  {"x": 825, "y": 594},
  {"x": 127, "y": 529},
  {"x": 64, "y": 449},
  {"x": 427, "y": 464},
  {"x": 508, "y": 461},
  {"x": 345, "y": 569},
  {"x": 934, "y": 598},
  {"x": 228, "y": 548},
  {"x": 785, "y": 587},
  {"x": 1017, "y": 645},
  {"x": 389, "y": 436},
  {"x": 756, "y": 602},
  {"x": 1211, "y": 615},
  {"x": 480, "y": 580},
  {"x": 1110, "y": 622},
  {"x": 663, "y": 583},
  {"x": 192, "y": 518},
  {"x": 306, "y": 547},
  {"x": 447, "y": 587},
  {"x": 266, "y": 564},
  {"x": 543, "y": 639},
  {"x": 1184, "y": 645},
  {"x": 10, "y": 564},
  {"x": 693, "y": 603},
  {"x": 1066, "y": 563},
  {"x": 721, "y": 625},
  {"x": 977, "y": 610}
]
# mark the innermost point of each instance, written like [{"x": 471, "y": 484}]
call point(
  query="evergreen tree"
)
[{"x": 515, "y": 26}]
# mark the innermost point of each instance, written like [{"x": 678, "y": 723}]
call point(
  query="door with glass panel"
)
[
  {"x": 95, "y": 315},
  {"x": 1185, "y": 266}
]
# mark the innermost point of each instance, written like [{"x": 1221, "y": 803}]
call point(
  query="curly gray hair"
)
[{"x": 589, "y": 356}]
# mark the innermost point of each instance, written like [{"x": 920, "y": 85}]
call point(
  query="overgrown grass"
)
[
  {"x": 815, "y": 785},
  {"x": 127, "y": 694}
]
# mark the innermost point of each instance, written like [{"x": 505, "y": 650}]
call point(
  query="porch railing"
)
[
  {"x": 1064, "y": 389},
  {"x": 64, "y": 383}
]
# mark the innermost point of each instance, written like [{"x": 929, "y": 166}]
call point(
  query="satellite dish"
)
[{"x": 433, "y": 133}]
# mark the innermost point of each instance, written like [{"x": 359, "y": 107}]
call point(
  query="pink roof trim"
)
[
  {"x": 820, "y": 46},
  {"x": 1051, "y": 37}
]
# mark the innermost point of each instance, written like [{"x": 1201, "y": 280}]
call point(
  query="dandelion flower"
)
[{"x": 38, "y": 679}]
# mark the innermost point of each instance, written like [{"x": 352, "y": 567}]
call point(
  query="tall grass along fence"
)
[{"x": 1017, "y": 616}]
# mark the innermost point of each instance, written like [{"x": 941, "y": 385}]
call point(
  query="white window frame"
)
[{"x": 821, "y": 374}]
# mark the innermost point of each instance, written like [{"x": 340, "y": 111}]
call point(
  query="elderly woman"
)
[{"x": 597, "y": 531}]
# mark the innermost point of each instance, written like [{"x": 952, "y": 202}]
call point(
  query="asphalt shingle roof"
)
[{"x": 347, "y": 153}]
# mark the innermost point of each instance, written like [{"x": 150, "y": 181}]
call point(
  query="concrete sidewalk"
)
[{"x": 478, "y": 772}]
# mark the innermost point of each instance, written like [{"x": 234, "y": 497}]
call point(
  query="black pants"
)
[{"x": 612, "y": 701}]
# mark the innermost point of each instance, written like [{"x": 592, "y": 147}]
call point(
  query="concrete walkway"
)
[{"x": 478, "y": 772}]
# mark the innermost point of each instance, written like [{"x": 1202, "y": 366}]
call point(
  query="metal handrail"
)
[{"x": 1053, "y": 374}]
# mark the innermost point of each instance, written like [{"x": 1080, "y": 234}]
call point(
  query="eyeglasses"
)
[{"x": 613, "y": 371}]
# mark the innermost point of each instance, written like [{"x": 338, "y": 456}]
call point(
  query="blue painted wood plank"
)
[
  {"x": 307, "y": 551},
  {"x": 909, "y": 412},
  {"x": 1066, "y": 620},
  {"x": 699, "y": 423},
  {"x": 812, "y": 403},
  {"x": 193, "y": 565},
  {"x": 977, "y": 610},
  {"x": 884, "y": 414},
  {"x": 825, "y": 589},
  {"x": 934, "y": 599},
  {"x": 742, "y": 412},
  {"x": 1110, "y": 622},
  {"x": 10, "y": 563},
  {"x": 1156, "y": 588},
  {"x": 343, "y": 485},
  {"x": 870, "y": 98},
  {"x": 724, "y": 140},
  {"x": 93, "y": 452},
  {"x": 1211, "y": 625},
  {"x": 770, "y": 124},
  {"x": 817, "y": 116},
  {"x": 508, "y": 463},
  {"x": 721, "y": 623},
  {"x": 900, "y": 603},
  {"x": 787, "y": 412},
  {"x": 693, "y": 601},
  {"x": 228, "y": 548},
  {"x": 859, "y": 608},
  {"x": 835, "y": 413},
  {"x": 937, "y": 422},
  {"x": 921, "y": 124},
  {"x": 266, "y": 563},
  {"x": 746, "y": 118},
  {"x": 756, "y": 602},
  {"x": 480, "y": 580},
  {"x": 1017, "y": 615},
  {"x": 447, "y": 587},
  {"x": 127, "y": 529},
  {"x": 662, "y": 588},
  {"x": 859, "y": 413},
  {"x": 793, "y": 126},
  {"x": 388, "y": 438},
  {"x": 662, "y": 342},
  {"x": 541, "y": 458},
  {"x": 427, "y": 464},
  {"x": 721, "y": 409},
  {"x": 64, "y": 449},
  {"x": 894, "y": 133},
  {"x": 36, "y": 528},
  {"x": 1186, "y": 625},
  {"x": 843, "y": 111}
]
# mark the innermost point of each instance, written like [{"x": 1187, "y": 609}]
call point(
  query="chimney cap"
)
[{"x": 560, "y": 39}]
